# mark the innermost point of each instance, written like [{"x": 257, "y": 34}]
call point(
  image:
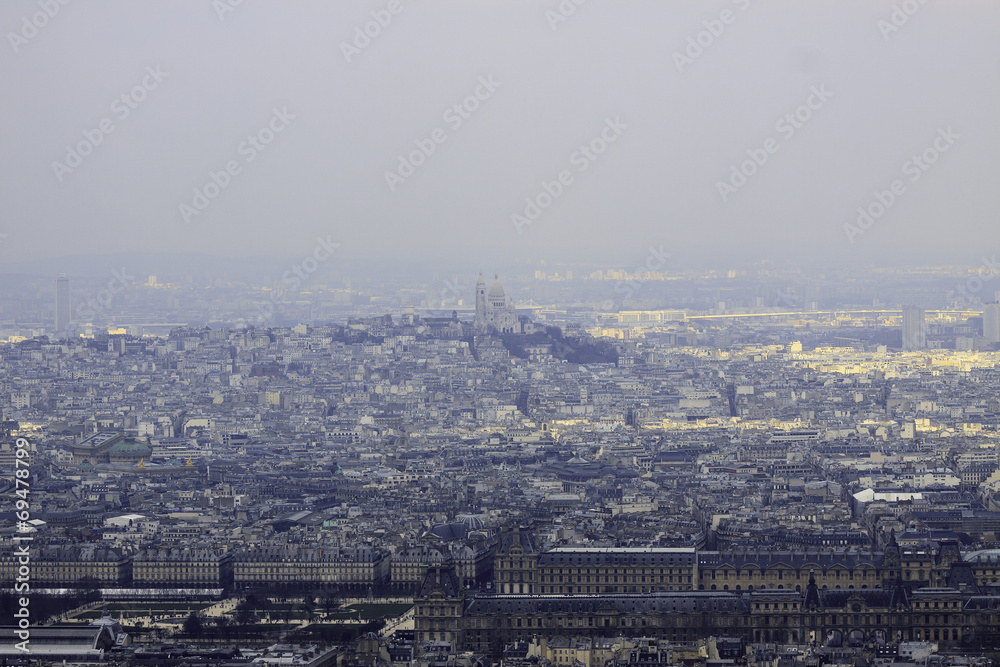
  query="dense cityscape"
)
[
  {"x": 759, "y": 470},
  {"x": 496, "y": 333}
]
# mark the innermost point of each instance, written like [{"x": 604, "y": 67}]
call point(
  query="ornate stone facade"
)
[
  {"x": 837, "y": 598},
  {"x": 493, "y": 313}
]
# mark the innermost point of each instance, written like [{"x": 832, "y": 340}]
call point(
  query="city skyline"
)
[{"x": 500, "y": 333}]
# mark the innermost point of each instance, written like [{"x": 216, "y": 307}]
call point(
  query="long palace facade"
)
[{"x": 838, "y": 598}]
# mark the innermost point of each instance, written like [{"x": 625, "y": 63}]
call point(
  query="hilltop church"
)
[{"x": 493, "y": 312}]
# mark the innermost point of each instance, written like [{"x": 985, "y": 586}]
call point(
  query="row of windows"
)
[
  {"x": 780, "y": 587},
  {"x": 754, "y": 573},
  {"x": 681, "y": 620},
  {"x": 300, "y": 568},
  {"x": 76, "y": 576},
  {"x": 607, "y": 589},
  {"x": 589, "y": 621},
  {"x": 767, "y": 605},
  {"x": 74, "y": 568},
  {"x": 46, "y": 567},
  {"x": 482, "y": 637},
  {"x": 616, "y": 570},
  {"x": 437, "y": 611},
  {"x": 607, "y": 579},
  {"x": 144, "y": 571},
  {"x": 298, "y": 576},
  {"x": 437, "y": 625}
]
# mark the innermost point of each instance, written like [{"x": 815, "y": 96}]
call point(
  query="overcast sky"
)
[{"x": 874, "y": 83}]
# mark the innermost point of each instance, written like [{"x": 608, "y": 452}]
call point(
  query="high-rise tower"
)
[
  {"x": 62, "y": 303},
  {"x": 991, "y": 322},
  {"x": 914, "y": 329}
]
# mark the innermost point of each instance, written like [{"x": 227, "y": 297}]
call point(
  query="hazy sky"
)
[{"x": 670, "y": 96}]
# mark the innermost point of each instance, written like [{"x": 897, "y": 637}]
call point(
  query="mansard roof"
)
[
  {"x": 961, "y": 577},
  {"x": 875, "y": 598},
  {"x": 648, "y": 603},
  {"x": 802, "y": 560},
  {"x": 440, "y": 579},
  {"x": 977, "y": 602},
  {"x": 515, "y": 538},
  {"x": 618, "y": 556}
]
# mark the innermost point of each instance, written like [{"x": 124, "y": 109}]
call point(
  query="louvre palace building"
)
[{"x": 826, "y": 597}]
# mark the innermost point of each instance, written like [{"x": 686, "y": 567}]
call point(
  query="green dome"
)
[{"x": 130, "y": 448}]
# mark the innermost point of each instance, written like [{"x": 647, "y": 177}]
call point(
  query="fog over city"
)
[
  {"x": 500, "y": 333},
  {"x": 424, "y": 137}
]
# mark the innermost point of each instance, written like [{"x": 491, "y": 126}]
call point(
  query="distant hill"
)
[{"x": 583, "y": 349}]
